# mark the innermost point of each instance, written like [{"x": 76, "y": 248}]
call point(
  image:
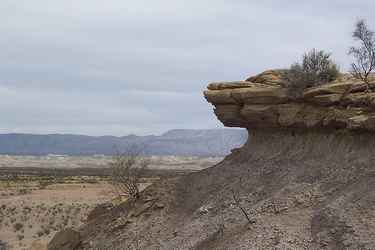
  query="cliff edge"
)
[
  {"x": 264, "y": 101},
  {"x": 305, "y": 177}
]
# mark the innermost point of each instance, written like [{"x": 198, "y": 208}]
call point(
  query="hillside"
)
[
  {"x": 214, "y": 142},
  {"x": 305, "y": 177}
]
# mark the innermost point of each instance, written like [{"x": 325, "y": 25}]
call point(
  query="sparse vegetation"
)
[
  {"x": 364, "y": 54},
  {"x": 316, "y": 68},
  {"x": 18, "y": 226},
  {"x": 29, "y": 209},
  {"x": 127, "y": 170}
]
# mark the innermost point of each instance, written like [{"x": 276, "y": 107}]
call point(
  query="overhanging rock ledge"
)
[{"x": 263, "y": 101}]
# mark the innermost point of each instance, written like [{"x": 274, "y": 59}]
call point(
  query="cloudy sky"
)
[{"x": 119, "y": 67}]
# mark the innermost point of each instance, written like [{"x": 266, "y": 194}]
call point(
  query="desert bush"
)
[
  {"x": 127, "y": 169},
  {"x": 316, "y": 68},
  {"x": 364, "y": 54},
  {"x": 17, "y": 226}
]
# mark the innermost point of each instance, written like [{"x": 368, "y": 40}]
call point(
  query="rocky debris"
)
[
  {"x": 264, "y": 102},
  {"x": 67, "y": 239},
  {"x": 99, "y": 210},
  {"x": 304, "y": 188}
]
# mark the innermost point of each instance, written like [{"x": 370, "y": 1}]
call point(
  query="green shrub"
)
[{"x": 316, "y": 68}]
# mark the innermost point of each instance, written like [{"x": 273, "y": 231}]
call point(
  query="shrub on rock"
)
[{"x": 316, "y": 68}]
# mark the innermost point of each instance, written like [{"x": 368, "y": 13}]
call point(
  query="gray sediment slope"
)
[{"x": 303, "y": 189}]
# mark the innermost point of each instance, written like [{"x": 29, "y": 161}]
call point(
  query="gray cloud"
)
[{"x": 124, "y": 67}]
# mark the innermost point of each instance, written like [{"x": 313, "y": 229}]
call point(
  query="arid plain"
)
[{"x": 42, "y": 195}]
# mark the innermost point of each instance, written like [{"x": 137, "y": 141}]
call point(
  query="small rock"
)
[
  {"x": 252, "y": 221},
  {"x": 159, "y": 205},
  {"x": 203, "y": 210}
]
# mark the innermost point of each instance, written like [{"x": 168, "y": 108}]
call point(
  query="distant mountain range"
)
[{"x": 211, "y": 142}]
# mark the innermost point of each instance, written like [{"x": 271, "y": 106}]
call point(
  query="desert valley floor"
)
[{"x": 42, "y": 195}]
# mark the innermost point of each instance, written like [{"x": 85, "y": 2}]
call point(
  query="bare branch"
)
[
  {"x": 127, "y": 170},
  {"x": 237, "y": 201},
  {"x": 364, "y": 55}
]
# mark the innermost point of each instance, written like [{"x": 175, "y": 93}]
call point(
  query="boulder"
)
[{"x": 67, "y": 239}]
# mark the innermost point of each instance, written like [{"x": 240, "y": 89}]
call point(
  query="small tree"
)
[
  {"x": 127, "y": 169},
  {"x": 316, "y": 68},
  {"x": 364, "y": 54}
]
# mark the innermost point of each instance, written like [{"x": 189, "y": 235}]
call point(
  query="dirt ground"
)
[
  {"x": 301, "y": 189},
  {"x": 39, "y": 214},
  {"x": 42, "y": 195}
]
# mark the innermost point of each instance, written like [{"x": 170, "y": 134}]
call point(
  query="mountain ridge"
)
[{"x": 196, "y": 142}]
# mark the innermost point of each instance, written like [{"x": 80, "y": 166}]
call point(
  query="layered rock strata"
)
[
  {"x": 305, "y": 183},
  {"x": 265, "y": 101}
]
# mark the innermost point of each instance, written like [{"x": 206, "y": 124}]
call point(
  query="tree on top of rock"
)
[{"x": 364, "y": 54}]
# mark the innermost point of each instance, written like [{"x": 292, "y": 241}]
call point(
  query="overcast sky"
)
[{"x": 118, "y": 67}]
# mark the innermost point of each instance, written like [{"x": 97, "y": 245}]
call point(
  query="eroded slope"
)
[{"x": 307, "y": 183}]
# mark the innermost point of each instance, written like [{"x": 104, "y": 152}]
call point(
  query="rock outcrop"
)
[
  {"x": 305, "y": 177},
  {"x": 264, "y": 101}
]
